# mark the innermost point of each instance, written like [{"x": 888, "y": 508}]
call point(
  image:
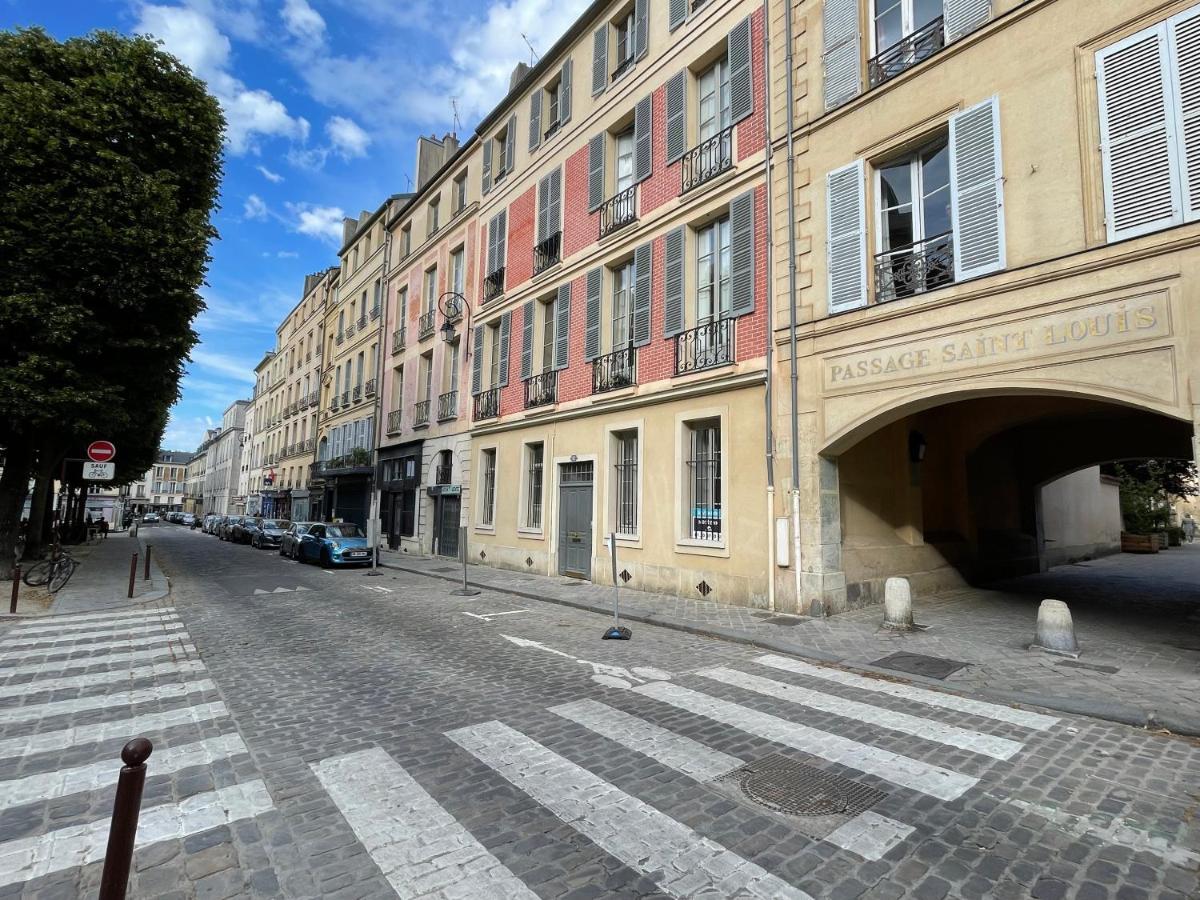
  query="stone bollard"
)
[
  {"x": 897, "y": 604},
  {"x": 1055, "y": 629}
]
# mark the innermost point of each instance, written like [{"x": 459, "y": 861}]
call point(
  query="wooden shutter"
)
[
  {"x": 501, "y": 238},
  {"x": 487, "y": 166},
  {"x": 591, "y": 342},
  {"x": 641, "y": 295},
  {"x": 673, "y": 318},
  {"x": 961, "y": 17},
  {"x": 976, "y": 190},
  {"x": 677, "y": 11},
  {"x": 477, "y": 362},
  {"x": 505, "y": 337},
  {"x": 643, "y": 132},
  {"x": 1183, "y": 33},
  {"x": 595, "y": 172},
  {"x": 641, "y": 27},
  {"x": 564, "y": 93},
  {"x": 846, "y": 228},
  {"x": 600, "y": 60},
  {"x": 741, "y": 254},
  {"x": 527, "y": 341},
  {"x": 676, "y": 116},
  {"x": 543, "y": 203},
  {"x": 535, "y": 119},
  {"x": 841, "y": 53},
  {"x": 562, "y": 327},
  {"x": 491, "y": 246},
  {"x": 554, "y": 204},
  {"x": 741, "y": 88},
  {"x": 510, "y": 146}
]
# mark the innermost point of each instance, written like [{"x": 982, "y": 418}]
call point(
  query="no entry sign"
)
[{"x": 101, "y": 451}]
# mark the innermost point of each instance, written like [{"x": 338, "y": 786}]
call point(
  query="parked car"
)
[
  {"x": 289, "y": 544},
  {"x": 187, "y": 519},
  {"x": 239, "y": 531},
  {"x": 150, "y": 518},
  {"x": 335, "y": 544},
  {"x": 225, "y": 531},
  {"x": 210, "y": 522},
  {"x": 268, "y": 532}
]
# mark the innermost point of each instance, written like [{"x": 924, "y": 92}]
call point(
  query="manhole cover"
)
[
  {"x": 793, "y": 788},
  {"x": 447, "y": 569},
  {"x": 1072, "y": 664},
  {"x": 782, "y": 620},
  {"x": 917, "y": 664}
]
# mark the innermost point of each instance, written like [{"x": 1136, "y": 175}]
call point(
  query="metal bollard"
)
[
  {"x": 16, "y": 575},
  {"x": 127, "y": 807},
  {"x": 132, "y": 572},
  {"x": 465, "y": 590},
  {"x": 149, "y": 548}
]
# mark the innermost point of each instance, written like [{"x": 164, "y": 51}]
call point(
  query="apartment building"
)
[
  {"x": 258, "y": 420},
  {"x": 163, "y": 487},
  {"x": 225, "y": 461},
  {"x": 984, "y": 248},
  {"x": 193, "y": 498},
  {"x": 432, "y": 292}
]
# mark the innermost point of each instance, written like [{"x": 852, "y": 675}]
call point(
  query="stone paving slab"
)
[{"x": 101, "y": 581}]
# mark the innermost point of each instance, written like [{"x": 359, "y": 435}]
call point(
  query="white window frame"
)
[
  {"x": 638, "y": 426},
  {"x": 486, "y": 517},
  {"x": 719, "y": 70},
  {"x": 916, "y": 181},
  {"x": 523, "y": 524},
  {"x": 684, "y": 542},
  {"x": 908, "y": 25}
]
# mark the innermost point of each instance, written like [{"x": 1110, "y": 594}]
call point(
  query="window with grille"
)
[
  {"x": 534, "y": 454},
  {"x": 704, "y": 480},
  {"x": 915, "y": 236},
  {"x": 625, "y": 483},
  {"x": 487, "y": 487}
]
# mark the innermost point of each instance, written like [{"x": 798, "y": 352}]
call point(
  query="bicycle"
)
[{"x": 55, "y": 571}]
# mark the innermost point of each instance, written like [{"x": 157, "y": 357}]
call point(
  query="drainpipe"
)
[
  {"x": 791, "y": 232},
  {"x": 377, "y": 403},
  {"x": 770, "y": 311}
]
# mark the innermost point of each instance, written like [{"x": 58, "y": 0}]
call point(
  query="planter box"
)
[{"x": 1139, "y": 543}]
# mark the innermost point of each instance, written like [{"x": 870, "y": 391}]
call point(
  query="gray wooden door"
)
[
  {"x": 575, "y": 520},
  {"x": 448, "y": 514}
]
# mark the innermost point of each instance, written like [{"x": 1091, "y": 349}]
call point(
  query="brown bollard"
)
[
  {"x": 149, "y": 548},
  {"x": 132, "y": 572},
  {"x": 127, "y": 808},
  {"x": 16, "y": 574}
]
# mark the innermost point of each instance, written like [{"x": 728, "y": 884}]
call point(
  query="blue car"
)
[{"x": 340, "y": 544}]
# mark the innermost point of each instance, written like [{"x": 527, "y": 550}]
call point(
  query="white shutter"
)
[
  {"x": 846, "y": 221},
  {"x": 1183, "y": 32},
  {"x": 841, "y": 52},
  {"x": 1137, "y": 139},
  {"x": 961, "y": 17},
  {"x": 977, "y": 191}
]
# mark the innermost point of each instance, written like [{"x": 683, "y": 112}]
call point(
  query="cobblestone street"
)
[{"x": 332, "y": 734}]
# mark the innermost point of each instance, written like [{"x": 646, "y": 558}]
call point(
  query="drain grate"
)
[
  {"x": 917, "y": 664},
  {"x": 792, "y": 788}
]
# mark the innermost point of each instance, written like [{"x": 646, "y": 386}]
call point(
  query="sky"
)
[{"x": 324, "y": 101}]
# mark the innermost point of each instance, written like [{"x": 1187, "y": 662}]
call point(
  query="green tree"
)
[{"x": 112, "y": 165}]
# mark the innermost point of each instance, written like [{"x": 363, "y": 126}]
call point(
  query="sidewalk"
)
[{"x": 1133, "y": 668}]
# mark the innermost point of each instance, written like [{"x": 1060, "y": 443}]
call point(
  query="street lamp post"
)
[{"x": 451, "y": 305}]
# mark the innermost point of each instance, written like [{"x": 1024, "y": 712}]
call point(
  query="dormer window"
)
[
  {"x": 616, "y": 53},
  {"x": 623, "y": 27},
  {"x": 499, "y": 154}
]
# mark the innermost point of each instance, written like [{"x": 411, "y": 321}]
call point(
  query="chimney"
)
[
  {"x": 348, "y": 227},
  {"x": 518, "y": 75},
  {"x": 450, "y": 145},
  {"x": 431, "y": 154}
]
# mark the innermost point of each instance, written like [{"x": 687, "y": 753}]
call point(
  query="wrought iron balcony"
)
[
  {"x": 341, "y": 336},
  {"x": 618, "y": 211},
  {"x": 708, "y": 159},
  {"x": 906, "y": 53},
  {"x": 393, "y": 422},
  {"x": 443, "y": 474},
  {"x": 319, "y": 352},
  {"x": 493, "y": 285},
  {"x": 350, "y": 329},
  {"x": 447, "y": 406},
  {"x": 426, "y": 324},
  {"x": 615, "y": 370},
  {"x": 548, "y": 253},
  {"x": 622, "y": 67},
  {"x": 346, "y": 397},
  {"x": 309, "y": 445},
  {"x": 704, "y": 347},
  {"x": 914, "y": 269},
  {"x": 362, "y": 322},
  {"x": 541, "y": 390},
  {"x": 334, "y": 403},
  {"x": 369, "y": 388},
  {"x": 398, "y": 340},
  {"x": 375, "y": 311},
  {"x": 552, "y": 130},
  {"x": 487, "y": 404},
  {"x": 358, "y": 393},
  {"x": 421, "y": 413}
]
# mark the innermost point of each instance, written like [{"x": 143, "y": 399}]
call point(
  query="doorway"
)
[
  {"x": 575, "y": 520},
  {"x": 446, "y": 514}
]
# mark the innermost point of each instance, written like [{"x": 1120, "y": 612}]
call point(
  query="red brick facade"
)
[
  {"x": 518, "y": 263},
  {"x": 580, "y": 228},
  {"x": 751, "y": 132}
]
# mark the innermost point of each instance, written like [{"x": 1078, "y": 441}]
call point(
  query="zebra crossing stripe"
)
[
  {"x": 418, "y": 846},
  {"x": 901, "y": 770},
  {"x": 69, "y": 620},
  {"x": 950, "y": 735},
  {"x": 66, "y": 848},
  {"x": 672, "y": 750},
  {"x": 36, "y": 711},
  {"x": 59, "y": 667},
  {"x": 131, "y": 643},
  {"x": 118, "y": 730},
  {"x": 130, "y": 632},
  {"x": 98, "y": 776},
  {"x": 680, "y": 861},
  {"x": 65, "y": 628},
  {"x": 870, "y": 835},
  {"x": 188, "y": 667},
  {"x": 1021, "y": 717}
]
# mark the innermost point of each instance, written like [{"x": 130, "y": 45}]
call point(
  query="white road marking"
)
[
  {"x": 118, "y": 730},
  {"x": 129, "y": 632},
  {"x": 36, "y": 711},
  {"x": 188, "y": 667},
  {"x": 100, "y": 775},
  {"x": 525, "y": 642},
  {"x": 1021, "y": 717},
  {"x": 869, "y": 835},
  {"x": 71, "y": 618},
  {"x": 602, "y": 673},
  {"x": 133, "y": 643},
  {"x": 487, "y": 617},
  {"x": 120, "y": 621},
  {"x": 901, "y": 770},
  {"x": 59, "y": 666},
  {"x": 419, "y": 847},
  {"x": 680, "y": 861},
  {"x": 950, "y": 735},
  {"x": 672, "y": 750},
  {"x": 376, "y": 588},
  {"x": 32, "y": 857}
]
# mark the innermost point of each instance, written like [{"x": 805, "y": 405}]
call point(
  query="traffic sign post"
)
[{"x": 101, "y": 451}]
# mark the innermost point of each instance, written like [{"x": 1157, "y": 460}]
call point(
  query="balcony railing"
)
[
  {"x": 704, "y": 347},
  {"x": 393, "y": 422},
  {"x": 906, "y": 53},
  {"x": 615, "y": 370},
  {"x": 426, "y": 324},
  {"x": 357, "y": 393},
  {"x": 493, "y": 285},
  {"x": 447, "y": 406},
  {"x": 346, "y": 397},
  {"x": 398, "y": 340},
  {"x": 708, "y": 159},
  {"x": 622, "y": 67},
  {"x": 320, "y": 352},
  {"x": 443, "y": 474},
  {"x": 369, "y": 388},
  {"x": 309, "y": 445},
  {"x": 541, "y": 390},
  {"x": 421, "y": 413},
  {"x": 548, "y": 253},
  {"x": 618, "y": 211},
  {"x": 914, "y": 269},
  {"x": 374, "y": 312},
  {"x": 341, "y": 336},
  {"x": 362, "y": 322},
  {"x": 487, "y": 404},
  {"x": 350, "y": 329},
  {"x": 334, "y": 403}
]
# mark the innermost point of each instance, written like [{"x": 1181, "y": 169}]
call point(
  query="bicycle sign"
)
[{"x": 98, "y": 471}]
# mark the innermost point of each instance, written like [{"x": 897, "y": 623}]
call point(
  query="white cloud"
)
[
  {"x": 273, "y": 177},
  {"x": 302, "y": 21},
  {"x": 255, "y": 208},
  {"x": 322, "y": 222},
  {"x": 186, "y": 433},
  {"x": 231, "y": 367},
  {"x": 347, "y": 138},
  {"x": 287, "y": 254}
]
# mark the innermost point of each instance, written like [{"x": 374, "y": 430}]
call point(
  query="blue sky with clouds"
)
[{"x": 325, "y": 100}]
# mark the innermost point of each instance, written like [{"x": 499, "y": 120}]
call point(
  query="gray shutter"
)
[
  {"x": 591, "y": 342},
  {"x": 501, "y": 238},
  {"x": 535, "y": 119},
  {"x": 595, "y": 172},
  {"x": 676, "y": 116},
  {"x": 673, "y": 319},
  {"x": 564, "y": 94},
  {"x": 527, "y": 341},
  {"x": 641, "y": 295},
  {"x": 487, "y": 165},
  {"x": 961, "y": 17},
  {"x": 562, "y": 327},
  {"x": 554, "y": 205},
  {"x": 846, "y": 228},
  {"x": 477, "y": 362},
  {"x": 677, "y": 11},
  {"x": 741, "y": 87},
  {"x": 976, "y": 190},
  {"x": 510, "y": 146},
  {"x": 641, "y": 27},
  {"x": 741, "y": 254},
  {"x": 643, "y": 162},
  {"x": 505, "y": 336},
  {"x": 491, "y": 245},
  {"x": 841, "y": 53},
  {"x": 600, "y": 60},
  {"x": 1185, "y": 58},
  {"x": 543, "y": 207}
]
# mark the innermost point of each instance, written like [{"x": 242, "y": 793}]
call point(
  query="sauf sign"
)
[{"x": 98, "y": 471}]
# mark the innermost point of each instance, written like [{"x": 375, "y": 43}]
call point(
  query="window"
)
[
  {"x": 625, "y": 483},
  {"x": 714, "y": 114},
  {"x": 624, "y": 160},
  {"x": 430, "y": 296},
  {"x": 897, "y": 19},
  {"x": 459, "y": 193},
  {"x": 533, "y": 485},
  {"x": 487, "y": 487},
  {"x": 703, "y": 476},
  {"x": 548, "y": 335},
  {"x": 915, "y": 251},
  {"x": 405, "y": 241},
  {"x": 458, "y": 267},
  {"x": 354, "y": 267},
  {"x": 378, "y": 297},
  {"x": 426, "y": 376},
  {"x": 500, "y": 153},
  {"x": 622, "y": 306},
  {"x": 624, "y": 29},
  {"x": 553, "y": 106},
  {"x": 432, "y": 216},
  {"x": 713, "y": 297},
  {"x": 494, "y": 355},
  {"x": 450, "y": 367}
]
